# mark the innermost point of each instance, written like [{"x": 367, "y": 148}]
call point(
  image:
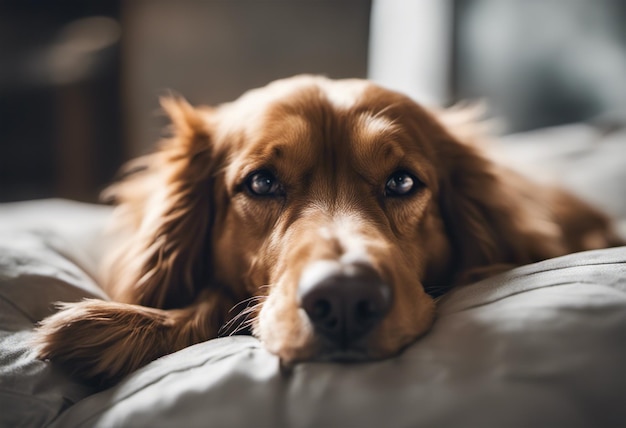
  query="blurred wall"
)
[
  {"x": 212, "y": 51},
  {"x": 411, "y": 48},
  {"x": 60, "y": 122},
  {"x": 541, "y": 63},
  {"x": 80, "y": 80},
  {"x": 536, "y": 63}
]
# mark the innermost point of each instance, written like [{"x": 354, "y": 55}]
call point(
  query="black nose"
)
[{"x": 343, "y": 302}]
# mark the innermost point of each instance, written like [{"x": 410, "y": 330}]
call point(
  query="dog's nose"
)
[{"x": 343, "y": 302}]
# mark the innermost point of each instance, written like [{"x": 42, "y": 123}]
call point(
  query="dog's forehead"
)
[
  {"x": 341, "y": 93},
  {"x": 305, "y": 96},
  {"x": 303, "y": 119}
]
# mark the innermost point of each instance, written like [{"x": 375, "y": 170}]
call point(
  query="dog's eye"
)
[
  {"x": 263, "y": 183},
  {"x": 401, "y": 183}
]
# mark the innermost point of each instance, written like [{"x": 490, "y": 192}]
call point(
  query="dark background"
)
[{"x": 80, "y": 80}]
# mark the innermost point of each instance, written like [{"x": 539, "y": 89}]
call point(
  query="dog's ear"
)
[
  {"x": 493, "y": 216},
  {"x": 164, "y": 216}
]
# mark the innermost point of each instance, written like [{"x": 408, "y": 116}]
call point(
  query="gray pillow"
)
[
  {"x": 542, "y": 345},
  {"x": 44, "y": 257}
]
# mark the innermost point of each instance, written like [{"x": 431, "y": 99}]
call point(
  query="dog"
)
[{"x": 324, "y": 216}]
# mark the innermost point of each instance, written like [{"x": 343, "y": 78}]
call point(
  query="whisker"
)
[
  {"x": 246, "y": 321},
  {"x": 253, "y": 303},
  {"x": 243, "y": 326},
  {"x": 229, "y": 324},
  {"x": 233, "y": 321},
  {"x": 248, "y": 300}
]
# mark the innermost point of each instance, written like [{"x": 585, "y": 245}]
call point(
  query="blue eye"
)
[
  {"x": 401, "y": 183},
  {"x": 263, "y": 183}
]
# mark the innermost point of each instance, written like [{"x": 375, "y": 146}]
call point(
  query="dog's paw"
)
[{"x": 100, "y": 341}]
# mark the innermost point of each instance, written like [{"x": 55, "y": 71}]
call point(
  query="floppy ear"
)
[
  {"x": 494, "y": 217},
  {"x": 164, "y": 216}
]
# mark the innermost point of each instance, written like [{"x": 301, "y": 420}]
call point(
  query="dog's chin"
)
[
  {"x": 314, "y": 347},
  {"x": 325, "y": 353}
]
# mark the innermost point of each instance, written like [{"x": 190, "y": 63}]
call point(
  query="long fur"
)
[
  {"x": 165, "y": 290},
  {"x": 162, "y": 202}
]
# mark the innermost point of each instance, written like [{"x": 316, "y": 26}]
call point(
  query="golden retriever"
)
[{"x": 324, "y": 216}]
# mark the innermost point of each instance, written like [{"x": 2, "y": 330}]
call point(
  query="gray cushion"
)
[
  {"x": 44, "y": 257},
  {"x": 542, "y": 345}
]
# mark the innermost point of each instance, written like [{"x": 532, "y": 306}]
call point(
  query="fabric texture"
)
[
  {"x": 47, "y": 254},
  {"x": 542, "y": 345}
]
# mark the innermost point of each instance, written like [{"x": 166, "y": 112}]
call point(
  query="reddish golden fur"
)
[{"x": 193, "y": 243}]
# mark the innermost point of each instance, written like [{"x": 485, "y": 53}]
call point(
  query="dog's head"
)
[{"x": 339, "y": 208}]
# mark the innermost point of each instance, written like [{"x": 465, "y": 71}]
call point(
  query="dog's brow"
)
[
  {"x": 344, "y": 97},
  {"x": 278, "y": 141},
  {"x": 377, "y": 135},
  {"x": 375, "y": 126}
]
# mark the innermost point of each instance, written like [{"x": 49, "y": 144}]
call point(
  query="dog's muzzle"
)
[{"x": 344, "y": 302}]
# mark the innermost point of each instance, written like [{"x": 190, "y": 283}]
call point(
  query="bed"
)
[{"x": 540, "y": 345}]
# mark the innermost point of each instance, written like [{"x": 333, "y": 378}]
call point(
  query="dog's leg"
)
[{"x": 103, "y": 341}]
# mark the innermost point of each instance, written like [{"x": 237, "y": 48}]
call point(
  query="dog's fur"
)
[{"x": 194, "y": 242}]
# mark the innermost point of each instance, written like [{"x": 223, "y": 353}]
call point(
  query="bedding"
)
[
  {"x": 48, "y": 253},
  {"x": 543, "y": 344}
]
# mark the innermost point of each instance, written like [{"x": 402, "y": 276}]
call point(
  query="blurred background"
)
[{"x": 80, "y": 80}]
